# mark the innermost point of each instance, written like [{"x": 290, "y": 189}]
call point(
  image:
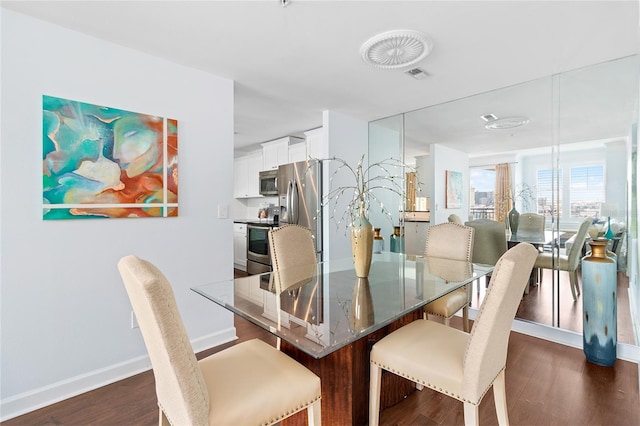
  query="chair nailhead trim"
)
[
  {"x": 430, "y": 386},
  {"x": 288, "y": 413}
]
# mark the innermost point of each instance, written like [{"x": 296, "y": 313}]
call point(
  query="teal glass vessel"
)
[
  {"x": 599, "y": 303},
  {"x": 396, "y": 241}
]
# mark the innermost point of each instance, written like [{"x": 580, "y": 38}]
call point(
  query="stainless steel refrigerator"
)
[{"x": 299, "y": 195}]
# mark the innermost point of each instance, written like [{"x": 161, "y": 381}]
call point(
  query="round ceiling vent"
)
[
  {"x": 506, "y": 123},
  {"x": 396, "y": 49}
]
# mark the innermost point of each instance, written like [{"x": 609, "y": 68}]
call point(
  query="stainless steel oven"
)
[{"x": 258, "y": 255}]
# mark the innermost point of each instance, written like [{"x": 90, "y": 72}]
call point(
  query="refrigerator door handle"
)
[
  {"x": 294, "y": 202},
  {"x": 288, "y": 204}
]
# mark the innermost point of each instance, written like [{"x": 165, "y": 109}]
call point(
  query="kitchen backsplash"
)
[{"x": 247, "y": 208}]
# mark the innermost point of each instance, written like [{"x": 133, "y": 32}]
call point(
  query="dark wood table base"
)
[{"x": 344, "y": 375}]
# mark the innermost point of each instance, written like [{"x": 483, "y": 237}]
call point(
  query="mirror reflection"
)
[{"x": 558, "y": 147}]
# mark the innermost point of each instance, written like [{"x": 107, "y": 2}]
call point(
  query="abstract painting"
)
[
  {"x": 101, "y": 162},
  {"x": 454, "y": 190}
]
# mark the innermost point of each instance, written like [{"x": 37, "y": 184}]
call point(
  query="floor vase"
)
[
  {"x": 599, "y": 302},
  {"x": 362, "y": 244}
]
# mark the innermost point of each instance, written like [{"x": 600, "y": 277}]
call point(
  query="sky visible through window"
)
[{"x": 483, "y": 180}]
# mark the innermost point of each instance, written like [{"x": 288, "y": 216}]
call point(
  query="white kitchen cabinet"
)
[
  {"x": 246, "y": 183},
  {"x": 297, "y": 152},
  {"x": 315, "y": 143},
  {"x": 240, "y": 246},
  {"x": 276, "y": 152}
]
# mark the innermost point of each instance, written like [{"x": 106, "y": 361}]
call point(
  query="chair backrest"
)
[
  {"x": 180, "y": 387},
  {"x": 530, "y": 224},
  {"x": 576, "y": 249},
  {"x": 486, "y": 353},
  {"x": 454, "y": 218},
  {"x": 489, "y": 240},
  {"x": 450, "y": 241},
  {"x": 293, "y": 255}
]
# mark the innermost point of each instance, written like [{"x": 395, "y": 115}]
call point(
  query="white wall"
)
[
  {"x": 441, "y": 159},
  {"x": 346, "y": 138},
  {"x": 385, "y": 142},
  {"x": 65, "y": 314}
]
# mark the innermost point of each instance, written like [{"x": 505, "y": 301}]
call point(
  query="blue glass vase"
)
[{"x": 599, "y": 304}]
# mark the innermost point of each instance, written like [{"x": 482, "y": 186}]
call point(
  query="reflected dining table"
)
[
  {"x": 539, "y": 240},
  {"x": 328, "y": 319}
]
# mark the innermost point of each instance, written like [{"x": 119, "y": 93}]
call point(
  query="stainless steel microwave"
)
[{"x": 269, "y": 183}]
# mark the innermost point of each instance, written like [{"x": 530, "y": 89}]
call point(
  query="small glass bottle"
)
[
  {"x": 396, "y": 241},
  {"x": 378, "y": 241}
]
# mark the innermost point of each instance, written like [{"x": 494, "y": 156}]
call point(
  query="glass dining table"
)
[{"x": 328, "y": 319}]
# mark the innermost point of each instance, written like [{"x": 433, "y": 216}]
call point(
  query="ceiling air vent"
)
[{"x": 417, "y": 73}]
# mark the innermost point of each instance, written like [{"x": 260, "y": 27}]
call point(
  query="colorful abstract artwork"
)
[
  {"x": 454, "y": 190},
  {"x": 100, "y": 162}
]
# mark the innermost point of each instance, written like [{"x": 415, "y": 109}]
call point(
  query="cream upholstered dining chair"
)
[
  {"x": 248, "y": 383},
  {"x": 450, "y": 241},
  {"x": 293, "y": 256},
  {"x": 567, "y": 262},
  {"x": 461, "y": 365}
]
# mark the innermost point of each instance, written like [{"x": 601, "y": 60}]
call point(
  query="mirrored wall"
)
[{"x": 567, "y": 141}]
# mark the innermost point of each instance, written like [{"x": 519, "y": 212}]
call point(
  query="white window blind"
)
[
  {"x": 586, "y": 189},
  {"x": 545, "y": 192}
]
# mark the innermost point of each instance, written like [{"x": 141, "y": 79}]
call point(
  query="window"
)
[
  {"x": 545, "y": 192},
  {"x": 483, "y": 186},
  {"x": 586, "y": 190}
]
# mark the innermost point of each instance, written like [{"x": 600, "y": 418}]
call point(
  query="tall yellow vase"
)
[{"x": 362, "y": 244}]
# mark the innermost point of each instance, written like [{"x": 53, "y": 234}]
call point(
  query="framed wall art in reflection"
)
[
  {"x": 454, "y": 190},
  {"x": 102, "y": 162}
]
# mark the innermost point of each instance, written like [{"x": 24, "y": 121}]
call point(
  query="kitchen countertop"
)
[{"x": 256, "y": 221}]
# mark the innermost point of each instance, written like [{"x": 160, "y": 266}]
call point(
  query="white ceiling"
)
[{"x": 291, "y": 63}]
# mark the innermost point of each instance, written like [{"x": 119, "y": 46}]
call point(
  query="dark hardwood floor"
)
[{"x": 547, "y": 383}]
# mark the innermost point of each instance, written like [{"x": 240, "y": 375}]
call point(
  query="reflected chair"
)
[
  {"x": 454, "y": 218},
  {"x": 567, "y": 262},
  {"x": 450, "y": 241},
  {"x": 530, "y": 225},
  {"x": 447, "y": 360},
  {"x": 248, "y": 383},
  {"x": 489, "y": 241}
]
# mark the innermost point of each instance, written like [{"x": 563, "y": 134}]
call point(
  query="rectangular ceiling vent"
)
[
  {"x": 488, "y": 117},
  {"x": 417, "y": 73}
]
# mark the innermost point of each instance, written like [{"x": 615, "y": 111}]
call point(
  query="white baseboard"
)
[{"x": 26, "y": 402}]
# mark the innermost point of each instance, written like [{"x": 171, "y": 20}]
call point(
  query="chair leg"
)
[
  {"x": 314, "y": 414},
  {"x": 471, "y": 417},
  {"x": 500, "y": 397},
  {"x": 573, "y": 284},
  {"x": 465, "y": 318},
  {"x": 447, "y": 322},
  {"x": 162, "y": 419},
  {"x": 374, "y": 394}
]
